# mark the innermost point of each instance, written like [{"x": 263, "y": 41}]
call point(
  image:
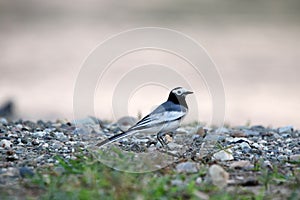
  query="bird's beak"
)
[{"x": 188, "y": 92}]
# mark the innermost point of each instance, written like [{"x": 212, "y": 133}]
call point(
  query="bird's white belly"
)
[{"x": 167, "y": 127}]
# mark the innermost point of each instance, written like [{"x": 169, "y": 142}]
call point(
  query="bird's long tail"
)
[{"x": 115, "y": 138}]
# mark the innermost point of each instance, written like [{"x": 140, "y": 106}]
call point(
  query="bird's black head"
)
[{"x": 177, "y": 96}]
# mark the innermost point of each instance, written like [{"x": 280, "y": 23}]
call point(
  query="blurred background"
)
[{"x": 255, "y": 45}]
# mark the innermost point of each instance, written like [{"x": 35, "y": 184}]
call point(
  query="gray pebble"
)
[
  {"x": 187, "y": 167},
  {"x": 286, "y": 129},
  {"x": 295, "y": 157},
  {"x": 286, "y": 135},
  {"x": 282, "y": 158},
  {"x": 39, "y": 134},
  {"x": 59, "y": 135},
  {"x": 177, "y": 182},
  {"x": 3, "y": 121},
  {"x": 26, "y": 172},
  {"x": 245, "y": 145},
  {"x": 251, "y": 132}
]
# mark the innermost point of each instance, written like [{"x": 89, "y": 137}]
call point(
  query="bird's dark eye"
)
[{"x": 179, "y": 92}]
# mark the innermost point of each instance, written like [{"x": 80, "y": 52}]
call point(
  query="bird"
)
[{"x": 164, "y": 119}]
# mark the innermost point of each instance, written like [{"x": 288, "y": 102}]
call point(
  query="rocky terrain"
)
[{"x": 244, "y": 156}]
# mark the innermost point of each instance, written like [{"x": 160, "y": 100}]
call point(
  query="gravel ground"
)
[{"x": 232, "y": 154}]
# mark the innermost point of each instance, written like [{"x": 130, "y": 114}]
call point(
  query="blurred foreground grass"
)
[{"x": 87, "y": 178}]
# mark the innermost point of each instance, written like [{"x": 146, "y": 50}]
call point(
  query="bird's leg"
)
[{"x": 160, "y": 138}]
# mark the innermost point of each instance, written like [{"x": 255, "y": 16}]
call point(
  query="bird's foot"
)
[{"x": 161, "y": 139}]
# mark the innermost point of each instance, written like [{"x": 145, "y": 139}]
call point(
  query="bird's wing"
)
[{"x": 164, "y": 114}]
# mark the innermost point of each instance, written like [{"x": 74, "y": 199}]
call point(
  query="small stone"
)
[
  {"x": 174, "y": 146},
  {"x": 238, "y": 134},
  {"x": 12, "y": 135},
  {"x": 78, "y": 131},
  {"x": 267, "y": 164},
  {"x": 12, "y": 157},
  {"x": 124, "y": 140},
  {"x": 39, "y": 134},
  {"x": 277, "y": 136},
  {"x": 214, "y": 137},
  {"x": 258, "y": 146},
  {"x": 46, "y": 179},
  {"x": 19, "y": 126},
  {"x": 142, "y": 140},
  {"x": 86, "y": 121},
  {"x": 11, "y": 172},
  {"x": 245, "y": 145},
  {"x": 295, "y": 157},
  {"x": 26, "y": 172},
  {"x": 136, "y": 148},
  {"x": 240, "y": 164},
  {"x": 250, "y": 181},
  {"x": 59, "y": 170},
  {"x": 288, "y": 151},
  {"x": 263, "y": 142},
  {"x": 35, "y": 142},
  {"x": 286, "y": 129},
  {"x": 251, "y": 132},
  {"x": 201, "y": 131},
  {"x": 59, "y": 135},
  {"x": 19, "y": 140},
  {"x": 286, "y": 135},
  {"x": 223, "y": 155},
  {"x": 197, "y": 138},
  {"x": 282, "y": 157},
  {"x": 221, "y": 138},
  {"x": 289, "y": 140},
  {"x": 268, "y": 133},
  {"x": 265, "y": 148},
  {"x": 218, "y": 176},
  {"x": 187, "y": 167},
  {"x": 46, "y": 145},
  {"x": 89, "y": 125},
  {"x": 57, "y": 145},
  {"x": 3, "y": 121},
  {"x": 24, "y": 140},
  {"x": 199, "y": 180},
  {"x": 10, "y": 152},
  {"x": 201, "y": 195},
  {"x": 237, "y": 140},
  {"x": 5, "y": 144},
  {"x": 257, "y": 127},
  {"x": 177, "y": 182},
  {"x": 72, "y": 143}
]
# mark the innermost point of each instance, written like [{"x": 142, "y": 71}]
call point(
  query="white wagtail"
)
[{"x": 164, "y": 119}]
